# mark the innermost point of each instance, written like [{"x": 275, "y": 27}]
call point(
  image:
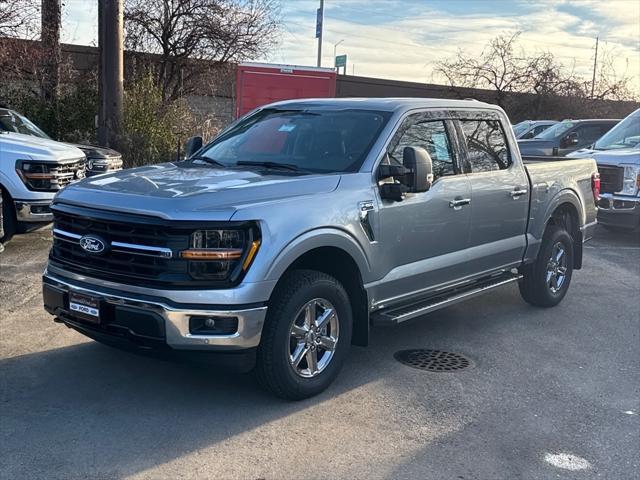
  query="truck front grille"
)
[
  {"x": 136, "y": 251},
  {"x": 68, "y": 172},
  {"x": 611, "y": 178}
]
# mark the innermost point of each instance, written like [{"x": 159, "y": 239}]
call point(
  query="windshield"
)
[
  {"x": 520, "y": 128},
  {"x": 555, "y": 131},
  {"x": 11, "y": 121},
  {"x": 311, "y": 140},
  {"x": 624, "y": 135}
]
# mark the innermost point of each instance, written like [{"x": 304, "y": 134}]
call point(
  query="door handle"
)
[
  {"x": 458, "y": 202},
  {"x": 517, "y": 192}
]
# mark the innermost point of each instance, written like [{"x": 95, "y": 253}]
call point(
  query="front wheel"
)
[
  {"x": 7, "y": 217},
  {"x": 546, "y": 281},
  {"x": 306, "y": 336}
]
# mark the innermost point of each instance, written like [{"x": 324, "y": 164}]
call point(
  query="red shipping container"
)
[{"x": 258, "y": 84}]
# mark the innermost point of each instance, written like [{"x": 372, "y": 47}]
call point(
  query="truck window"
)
[
  {"x": 588, "y": 134},
  {"x": 486, "y": 145},
  {"x": 430, "y": 135}
]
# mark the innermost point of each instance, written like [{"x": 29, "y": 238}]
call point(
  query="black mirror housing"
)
[
  {"x": 571, "y": 139},
  {"x": 418, "y": 161},
  {"x": 192, "y": 146}
]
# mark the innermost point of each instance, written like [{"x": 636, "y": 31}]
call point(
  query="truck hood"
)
[
  {"x": 35, "y": 148},
  {"x": 609, "y": 157},
  {"x": 192, "y": 191},
  {"x": 96, "y": 152}
]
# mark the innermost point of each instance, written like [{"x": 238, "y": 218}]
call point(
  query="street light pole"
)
[{"x": 319, "y": 28}]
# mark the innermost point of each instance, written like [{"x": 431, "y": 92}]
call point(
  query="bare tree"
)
[
  {"x": 500, "y": 67},
  {"x": 505, "y": 68},
  {"x": 19, "y": 18},
  {"x": 609, "y": 83},
  {"x": 193, "y": 36}
]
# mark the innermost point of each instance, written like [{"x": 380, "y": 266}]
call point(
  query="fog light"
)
[
  {"x": 209, "y": 325},
  {"x": 210, "y": 322}
]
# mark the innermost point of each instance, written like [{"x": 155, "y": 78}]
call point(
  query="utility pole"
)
[
  {"x": 51, "y": 56},
  {"x": 595, "y": 65},
  {"x": 110, "y": 41},
  {"x": 319, "y": 27}
]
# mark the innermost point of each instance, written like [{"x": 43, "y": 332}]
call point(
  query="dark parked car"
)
[
  {"x": 99, "y": 159},
  {"x": 566, "y": 137}
]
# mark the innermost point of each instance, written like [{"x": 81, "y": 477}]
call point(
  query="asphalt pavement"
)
[{"x": 551, "y": 393}]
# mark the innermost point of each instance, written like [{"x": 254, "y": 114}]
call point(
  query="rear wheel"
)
[
  {"x": 306, "y": 336},
  {"x": 546, "y": 281}
]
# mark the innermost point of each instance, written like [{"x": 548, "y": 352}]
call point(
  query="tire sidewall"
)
[
  {"x": 329, "y": 289},
  {"x": 555, "y": 235}
]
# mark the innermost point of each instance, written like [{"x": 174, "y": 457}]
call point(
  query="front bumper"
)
[
  {"x": 98, "y": 167},
  {"x": 33, "y": 211},
  {"x": 619, "y": 211},
  {"x": 150, "y": 322}
]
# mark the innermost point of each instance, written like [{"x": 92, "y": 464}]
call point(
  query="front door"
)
[
  {"x": 499, "y": 196},
  {"x": 423, "y": 237}
]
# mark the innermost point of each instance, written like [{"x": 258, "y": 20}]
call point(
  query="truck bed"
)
[{"x": 549, "y": 176}]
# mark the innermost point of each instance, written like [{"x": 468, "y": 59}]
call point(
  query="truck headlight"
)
[
  {"x": 36, "y": 175},
  {"x": 222, "y": 254},
  {"x": 631, "y": 181}
]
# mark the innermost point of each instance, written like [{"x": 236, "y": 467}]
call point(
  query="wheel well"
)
[
  {"x": 566, "y": 216},
  {"x": 340, "y": 265}
]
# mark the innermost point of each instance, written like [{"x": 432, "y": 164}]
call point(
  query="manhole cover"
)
[{"x": 432, "y": 360}]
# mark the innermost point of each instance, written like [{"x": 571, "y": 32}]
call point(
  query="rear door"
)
[{"x": 499, "y": 194}]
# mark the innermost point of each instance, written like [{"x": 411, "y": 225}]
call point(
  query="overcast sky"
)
[{"x": 402, "y": 39}]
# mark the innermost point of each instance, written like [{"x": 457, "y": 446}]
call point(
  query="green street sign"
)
[{"x": 341, "y": 61}]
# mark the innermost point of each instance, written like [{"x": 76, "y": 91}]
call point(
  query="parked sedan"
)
[
  {"x": 99, "y": 159},
  {"x": 565, "y": 137},
  {"x": 531, "y": 128}
]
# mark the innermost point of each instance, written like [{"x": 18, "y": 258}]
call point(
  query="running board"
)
[{"x": 395, "y": 315}]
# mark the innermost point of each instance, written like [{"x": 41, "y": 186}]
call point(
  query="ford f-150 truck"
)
[
  {"x": 32, "y": 171},
  {"x": 618, "y": 157},
  {"x": 280, "y": 243}
]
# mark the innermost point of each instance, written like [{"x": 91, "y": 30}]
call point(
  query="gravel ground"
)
[{"x": 551, "y": 394}]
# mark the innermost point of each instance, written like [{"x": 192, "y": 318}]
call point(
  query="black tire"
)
[
  {"x": 273, "y": 368},
  {"x": 535, "y": 286},
  {"x": 9, "y": 223}
]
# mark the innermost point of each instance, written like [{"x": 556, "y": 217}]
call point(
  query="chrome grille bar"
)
[{"x": 134, "y": 249}]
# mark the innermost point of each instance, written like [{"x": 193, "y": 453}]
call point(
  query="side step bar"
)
[{"x": 395, "y": 315}]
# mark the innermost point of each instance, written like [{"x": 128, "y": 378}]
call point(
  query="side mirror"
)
[
  {"x": 418, "y": 161},
  {"x": 192, "y": 146},
  {"x": 571, "y": 139}
]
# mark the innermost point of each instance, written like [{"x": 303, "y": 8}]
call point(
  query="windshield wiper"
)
[
  {"x": 274, "y": 165},
  {"x": 212, "y": 161}
]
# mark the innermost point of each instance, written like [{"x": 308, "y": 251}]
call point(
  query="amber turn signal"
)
[{"x": 212, "y": 254}]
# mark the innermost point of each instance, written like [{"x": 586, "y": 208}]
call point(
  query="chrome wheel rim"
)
[
  {"x": 557, "y": 268},
  {"x": 313, "y": 337}
]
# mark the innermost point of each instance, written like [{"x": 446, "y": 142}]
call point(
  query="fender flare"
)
[{"x": 318, "y": 238}]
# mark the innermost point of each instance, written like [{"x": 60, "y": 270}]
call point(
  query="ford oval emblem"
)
[{"x": 92, "y": 244}]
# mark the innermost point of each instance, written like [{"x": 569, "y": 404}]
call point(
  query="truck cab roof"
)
[{"x": 383, "y": 104}]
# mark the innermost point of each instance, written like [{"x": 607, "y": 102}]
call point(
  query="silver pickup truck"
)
[{"x": 280, "y": 243}]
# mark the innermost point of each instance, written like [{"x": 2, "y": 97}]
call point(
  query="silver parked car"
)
[{"x": 531, "y": 128}]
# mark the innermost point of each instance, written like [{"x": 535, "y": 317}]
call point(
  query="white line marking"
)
[{"x": 567, "y": 461}]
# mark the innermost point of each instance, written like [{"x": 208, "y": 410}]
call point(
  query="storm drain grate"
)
[{"x": 432, "y": 360}]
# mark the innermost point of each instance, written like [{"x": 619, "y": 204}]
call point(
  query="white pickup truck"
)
[{"x": 32, "y": 171}]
